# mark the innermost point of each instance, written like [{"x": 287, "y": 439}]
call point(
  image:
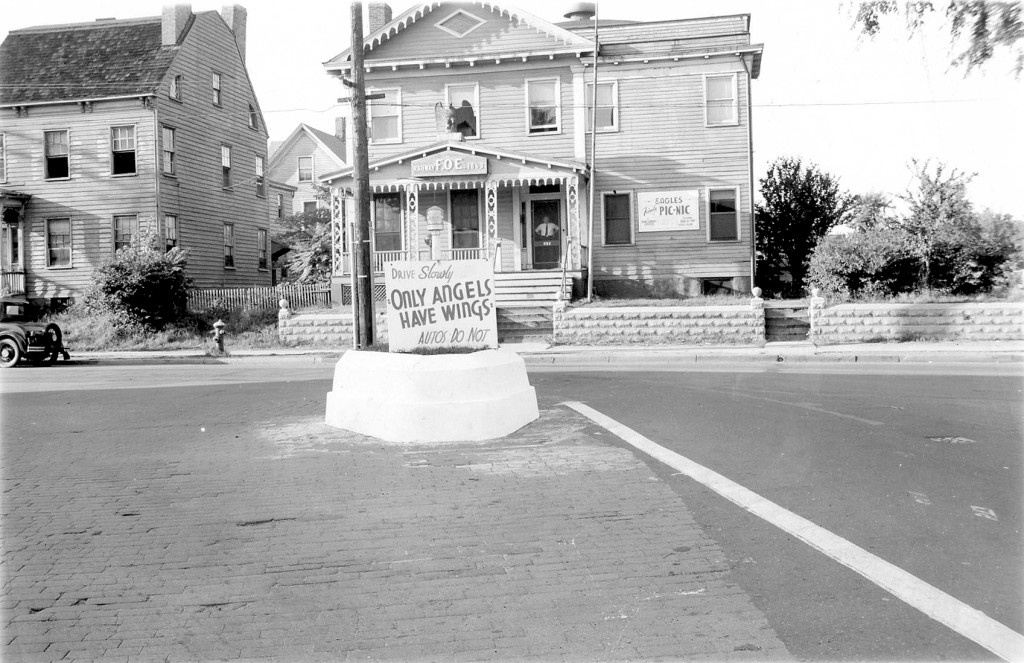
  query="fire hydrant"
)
[{"x": 218, "y": 335}]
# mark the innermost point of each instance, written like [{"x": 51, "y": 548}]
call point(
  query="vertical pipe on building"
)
[
  {"x": 750, "y": 172},
  {"x": 593, "y": 163},
  {"x": 361, "y": 172}
]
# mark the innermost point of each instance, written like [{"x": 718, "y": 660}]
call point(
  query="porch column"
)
[
  {"x": 337, "y": 231},
  {"x": 412, "y": 203},
  {"x": 492, "y": 217},
  {"x": 573, "y": 199}
]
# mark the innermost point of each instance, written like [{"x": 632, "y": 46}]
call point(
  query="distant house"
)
[
  {"x": 117, "y": 128},
  {"x": 482, "y": 145},
  {"x": 302, "y": 157}
]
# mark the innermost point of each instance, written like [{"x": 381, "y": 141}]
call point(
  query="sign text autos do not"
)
[
  {"x": 438, "y": 304},
  {"x": 668, "y": 210}
]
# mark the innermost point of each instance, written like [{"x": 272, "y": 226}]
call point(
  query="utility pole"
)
[{"x": 363, "y": 293}]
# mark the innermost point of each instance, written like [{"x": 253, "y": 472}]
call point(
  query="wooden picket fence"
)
[{"x": 299, "y": 295}]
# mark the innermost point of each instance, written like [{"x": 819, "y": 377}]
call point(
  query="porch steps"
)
[
  {"x": 786, "y": 321},
  {"x": 524, "y": 323},
  {"x": 529, "y": 289}
]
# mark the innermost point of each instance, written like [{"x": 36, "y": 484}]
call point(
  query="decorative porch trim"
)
[
  {"x": 337, "y": 232},
  {"x": 492, "y": 216},
  {"x": 573, "y": 200},
  {"x": 412, "y": 202}
]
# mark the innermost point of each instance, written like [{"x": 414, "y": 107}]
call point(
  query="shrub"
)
[
  {"x": 141, "y": 286},
  {"x": 877, "y": 262}
]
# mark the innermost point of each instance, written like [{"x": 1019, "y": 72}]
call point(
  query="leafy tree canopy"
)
[
  {"x": 309, "y": 236},
  {"x": 978, "y": 27}
]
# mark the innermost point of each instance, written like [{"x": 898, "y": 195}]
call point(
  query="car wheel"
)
[
  {"x": 56, "y": 337},
  {"x": 10, "y": 353}
]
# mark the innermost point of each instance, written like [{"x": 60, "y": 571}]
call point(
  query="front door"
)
[{"x": 546, "y": 233}]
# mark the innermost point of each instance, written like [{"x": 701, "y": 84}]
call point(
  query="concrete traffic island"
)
[{"x": 431, "y": 398}]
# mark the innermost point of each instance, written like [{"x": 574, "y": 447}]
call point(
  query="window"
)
[
  {"x": 229, "y": 245},
  {"x": 720, "y": 106},
  {"x": 280, "y": 205},
  {"x": 216, "y": 89},
  {"x": 386, "y": 117},
  {"x": 126, "y": 230},
  {"x": 305, "y": 169},
  {"x": 174, "y": 91},
  {"x": 261, "y": 180},
  {"x": 465, "y": 219},
  {"x": 254, "y": 119},
  {"x": 309, "y": 207},
  {"x": 58, "y": 158},
  {"x": 225, "y": 165},
  {"x": 463, "y": 101},
  {"x": 542, "y": 106},
  {"x": 261, "y": 248},
  {"x": 387, "y": 222},
  {"x": 618, "y": 218},
  {"x": 723, "y": 215},
  {"x": 122, "y": 147},
  {"x": 58, "y": 242},
  {"x": 3, "y": 157},
  {"x": 168, "y": 150},
  {"x": 721, "y": 286},
  {"x": 607, "y": 106},
  {"x": 170, "y": 232}
]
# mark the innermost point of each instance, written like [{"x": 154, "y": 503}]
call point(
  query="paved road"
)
[{"x": 850, "y": 448}]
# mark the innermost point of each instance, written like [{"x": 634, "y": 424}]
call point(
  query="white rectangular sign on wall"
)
[
  {"x": 442, "y": 303},
  {"x": 668, "y": 210}
]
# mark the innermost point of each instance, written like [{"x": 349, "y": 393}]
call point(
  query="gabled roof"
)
[
  {"x": 83, "y": 61},
  {"x": 459, "y": 146},
  {"x": 563, "y": 41},
  {"x": 331, "y": 145}
]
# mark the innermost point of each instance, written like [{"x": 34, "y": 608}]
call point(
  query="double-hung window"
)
[
  {"x": 542, "y": 106},
  {"x": 387, "y": 222},
  {"x": 215, "y": 84},
  {"x": 174, "y": 90},
  {"x": 126, "y": 230},
  {"x": 618, "y": 218},
  {"x": 305, "y": 169},
  {"x": 170, "y": 231},
  {"x": 229, "y": 245},
  {"x": 261, "y": 248},
  {"x": 58, "y": 154},
  {"x": 122, "y": 148},
  {"x": 225, "y": 166},
  {"x": 58, "y": 242},
  {"x": 254, "y": 118},
  {"x": 464, "y": 103},
  {"x": 720, "y": 100},
  {"x": 386, "y": 117},
  {"x": 280, "y": 205},
  {"x": 607, "y": 106},
  {"x": 261, "y": 179},
  {"x": 723, "y": 215},
  {"x": 167, "y": 149}
]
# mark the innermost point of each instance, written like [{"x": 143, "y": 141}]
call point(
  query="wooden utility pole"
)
[{"x": 363, "y": 294}]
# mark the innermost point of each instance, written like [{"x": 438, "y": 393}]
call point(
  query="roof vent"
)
[
  {"x": 581, "y": 11},
  {"x": 460, "y": 23}
]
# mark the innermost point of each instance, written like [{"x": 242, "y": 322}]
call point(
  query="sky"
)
[{"x": 858, "y": 108}]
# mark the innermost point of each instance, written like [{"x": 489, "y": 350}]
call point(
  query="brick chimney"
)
[
  {"x": 235, "y": 16},
  {"x": 379, "y": 15},
  {"x": 173, "y": 22}
]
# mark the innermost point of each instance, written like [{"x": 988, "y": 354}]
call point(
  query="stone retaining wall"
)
[
  {"x": 708, "y": 325},
  {"x": 333, "y": 329},
  {"x": 859, "y": 323}
]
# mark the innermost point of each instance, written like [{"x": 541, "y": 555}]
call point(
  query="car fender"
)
[{"x": 16, "y": 335}]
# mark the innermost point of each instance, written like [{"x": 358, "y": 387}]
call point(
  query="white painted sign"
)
[
  {"x": 668, "y": 210},
  {"x": 449, "y": 163},
  {"x": 443, "y": 303}
]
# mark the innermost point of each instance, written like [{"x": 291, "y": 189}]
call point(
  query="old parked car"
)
[{"x": 23, "y": 337}]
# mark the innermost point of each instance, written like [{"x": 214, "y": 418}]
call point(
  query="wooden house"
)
[
  {"x": 115, "y": 129},
  {"x": 302, "y": 157},
  {"x": 485, "y": 142}
]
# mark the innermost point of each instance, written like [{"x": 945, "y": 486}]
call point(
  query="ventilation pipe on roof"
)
[
  {"x": 173, "y": 22},
  {"x": 581, "y": 11}
]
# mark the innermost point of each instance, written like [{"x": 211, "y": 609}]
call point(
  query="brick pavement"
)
[{"x": 293, "y": 541}]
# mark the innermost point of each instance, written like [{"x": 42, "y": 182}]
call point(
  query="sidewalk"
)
[
  {"x": 544, "y": 354},
  {"x": 288, "y": 540}
]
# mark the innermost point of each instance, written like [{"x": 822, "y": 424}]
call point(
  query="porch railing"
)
[
  {"x": 12, "y": 282},
  {"x": 381, "y": 257},
  {"x": 462, "y": 254}
]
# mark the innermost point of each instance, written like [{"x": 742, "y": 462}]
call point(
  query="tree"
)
[
  {"x": 985, "y": 25},
  {"x": 309, "y": 236},
  {"x": 871, "y": 210},
  {"x": 939, "y": 215},
  {"x": 800, "y": 205}
]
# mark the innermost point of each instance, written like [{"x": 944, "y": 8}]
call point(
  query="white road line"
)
[{"x": 940, "y": 606}]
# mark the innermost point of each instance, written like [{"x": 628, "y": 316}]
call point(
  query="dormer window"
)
[{"x": 460, "y": 23}]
